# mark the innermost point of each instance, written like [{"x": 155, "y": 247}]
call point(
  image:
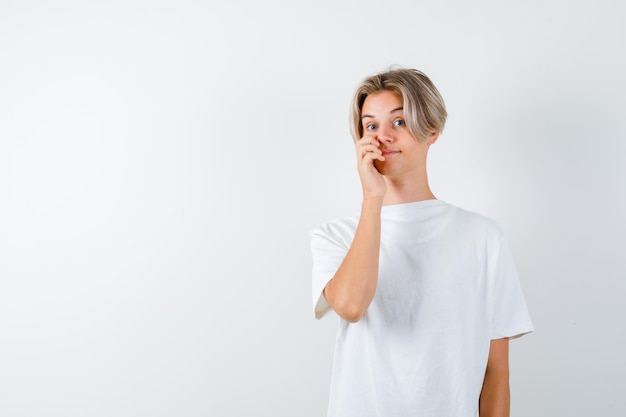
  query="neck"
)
[{"x": 407, "y": 190}]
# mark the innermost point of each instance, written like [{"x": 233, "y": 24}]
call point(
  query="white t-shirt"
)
[{"x": 447, "y": 286}]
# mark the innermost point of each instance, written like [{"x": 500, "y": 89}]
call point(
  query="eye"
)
[
  {"x": 399, "y": 123},
  {"x": 370, "y": 126}
]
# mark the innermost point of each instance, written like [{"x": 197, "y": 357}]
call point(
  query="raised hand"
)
[{"x": 372, "y": 181}]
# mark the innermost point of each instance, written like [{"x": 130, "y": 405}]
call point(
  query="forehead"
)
[{"x": 381, "y": 103}]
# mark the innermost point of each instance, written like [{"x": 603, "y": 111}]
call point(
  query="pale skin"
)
[{"x": 391, "y": 164}]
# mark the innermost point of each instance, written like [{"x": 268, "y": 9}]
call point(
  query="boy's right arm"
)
[{"x": 352, "y": 288}]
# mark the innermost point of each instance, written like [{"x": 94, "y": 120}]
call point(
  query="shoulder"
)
[
  {"x": 337, "y": 225},
  {"x": 336, "y": 230},
  {"x": 476, "y": 224}
]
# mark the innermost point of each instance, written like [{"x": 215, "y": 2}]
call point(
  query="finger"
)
[
  {"x": 368, "y": 140},
  {"x": 367, "y": 149},
  {"x": 370, "y": 156}
]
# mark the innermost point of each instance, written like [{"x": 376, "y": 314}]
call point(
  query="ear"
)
[{"x": 432, "y": 138}]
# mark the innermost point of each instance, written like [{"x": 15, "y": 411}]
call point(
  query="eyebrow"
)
[{"x": 392, "y": 111}]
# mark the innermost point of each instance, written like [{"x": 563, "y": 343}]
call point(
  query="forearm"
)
[
  {"x": 495, "y": 398},
  {"x": 352, "y": 288}
]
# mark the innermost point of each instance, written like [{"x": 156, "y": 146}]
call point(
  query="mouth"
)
[{"x": 387, "y": 152}]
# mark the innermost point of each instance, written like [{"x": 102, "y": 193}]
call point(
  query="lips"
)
[{"x": 387, "y": 152}]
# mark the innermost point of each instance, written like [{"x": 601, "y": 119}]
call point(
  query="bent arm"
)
[
  {"x": 352, "y": 288},
  {"x": 495, "y": 397}
]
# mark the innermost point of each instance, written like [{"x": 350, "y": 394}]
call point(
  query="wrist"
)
[{"x": 372, "y": 203}]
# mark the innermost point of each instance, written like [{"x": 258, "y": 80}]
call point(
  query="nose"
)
[{"x": 385, "y": 134}]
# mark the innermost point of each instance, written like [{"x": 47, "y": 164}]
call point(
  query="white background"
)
[{"x": 161, "y": 164}]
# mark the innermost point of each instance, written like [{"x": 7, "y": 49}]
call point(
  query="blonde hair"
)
[{"x": 424, "y": 109}]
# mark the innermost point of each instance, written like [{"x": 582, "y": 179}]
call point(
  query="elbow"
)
[
  {"x": 351, "y": 318},
  {"x": 347, "y": 305},
  {"x": 351, "y": 312}
]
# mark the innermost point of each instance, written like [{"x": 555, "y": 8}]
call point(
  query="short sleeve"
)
[
  {"x": 328, "y": 253},
  {"x": 509, "y": 315}
]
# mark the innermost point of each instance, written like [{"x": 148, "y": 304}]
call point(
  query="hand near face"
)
[{"x": 368, "y": 150}]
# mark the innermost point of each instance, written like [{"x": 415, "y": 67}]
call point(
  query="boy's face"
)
[{"x": 382, "y": 117}]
